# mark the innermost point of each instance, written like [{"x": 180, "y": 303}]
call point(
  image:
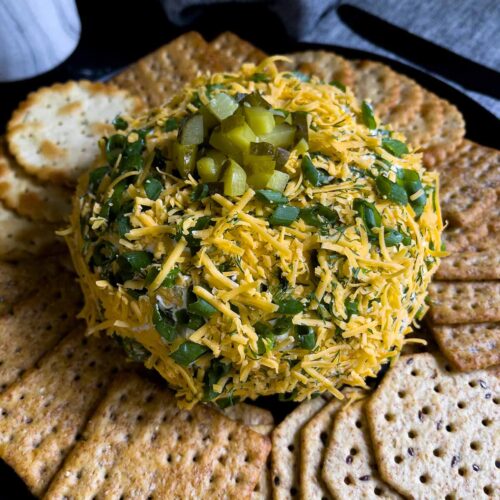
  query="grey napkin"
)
[{"x": 469, "y": 28}]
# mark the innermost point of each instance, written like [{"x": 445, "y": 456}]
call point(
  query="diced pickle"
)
[
  {"x": 233, "y": 121},
  {"x": 221, "y": 142},
  {"x": 234, "y": 178},
  {"x": 281, "y": 157},
  {"x": 191, "y": 131},
  {"x": 260, "y": 164},
  {"x": 218, "y": 157},
  {"x": 208, "y": 169},
  {"x": 302, "y": 147},
  {"x": 261, "y": 120},
  {"x": 184, "y": 158},
  {"x": 277, "y": 181},
  {"x": 255, "y": 99},
  {"x": 301, "y": 120},
  {"x": 259, "y": 181},
  {"x": 209, "y": 120},
  {"x": 262, "y": 149},
  {"x": 222, "y": 106},
  {"x": 241, "y": 137},
  {"x": 282, "y": 136}
]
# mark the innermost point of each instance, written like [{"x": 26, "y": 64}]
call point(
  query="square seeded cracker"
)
[
  {"x": 43, "y": 413},
  {"x": 139, "y": 444},
  {"x": 470, "y": 266},
  {"x": 159, "y": 75},
  {"x": 236, "y": 51}
]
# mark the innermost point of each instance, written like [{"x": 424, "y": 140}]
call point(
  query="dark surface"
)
[{"x": 116, "y": 33}]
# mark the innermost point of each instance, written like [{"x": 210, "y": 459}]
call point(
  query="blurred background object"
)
[{"x": 36, "y": 36}]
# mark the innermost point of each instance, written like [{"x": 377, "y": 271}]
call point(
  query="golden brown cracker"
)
[
  {"x": 469, "y": 347},
  {"x": 28, "y": 196},
  {"x": 35, "y": 325},
  {"x": 349, "y": 468},
  {"x": 406, "y": 108},
  {"x": 148, "y": 447},
  {"x": 248, "y": 414},
  {"x": 459, "y": 239},
  {"x": 470, "y": 266},
  {"x": 236, "y": 51},
  {"x": 455, "y": 302},
  {"x": 42, "y": 414},
  {"x": 159, "y": 75},
  {"x": 314, "y": 438},
  {"x": 54, "y": 133},
  {"x": 435, "y": 432},
  {"x": 378, "y": 84},
  {"x": 285, "y": 453}
]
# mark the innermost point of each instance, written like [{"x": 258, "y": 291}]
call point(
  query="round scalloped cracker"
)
[
  {"x": 378, "y": 84},
  {"x": 54, "y": 133},
  {"x": 22, "y": 237},
  {"x": 435, "y": 432},
  {"x": 349, "y": 468},
  {"x": 28, "y": 196},
  {"x": 449, "y": 137},
  {"x": 409, "y": 102},
  {"x": 326, "y": 65},
  {"x": 427, "y": 122}
]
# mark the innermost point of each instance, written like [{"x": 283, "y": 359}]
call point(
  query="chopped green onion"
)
[
  {"x": 134, "y": 262},
  {"x": 391, "y": 190},
  {"x": 224, "y": 403},
  {"x": 171, "y": 124},
  {"x": 199, "y": 192},
  {"x": 271, "y": 196},
  {"x": 338, "y": 84},
  {"x": 351, "y": 308},
  {"x": 195, "y": 322},
  {"x": 202, "y": 308},
  {"x": 114, "y": 147},
  {"x": 290, "y": 306},
  {"x": 163, "y": 324},
  {"x": 123, "y": 225},
  {"x": 188, "y": 352},
  {"x": 306, "y": 336},
  {"x": 392, "y": 237},
  {"x": 369, "y": 214},
  {"x": 153, "y": 187},
  {"x": 260, "y": 77},
  {"x": 96, "y": 177},
  {"x": 282, "y": 325},
  {"x": 267, "y": 338},
  {"x": 284, "y": 215},
  {"x": 217, "y": 370},
  {"x": 368, "y": 116},
  {"x": 134, "y": 350},
  {"x": 317, "y": 177},
  {"x": 395, "y": 147},
  {"x": 319, "y": 215},
  {"x": 119, "y": 123}
]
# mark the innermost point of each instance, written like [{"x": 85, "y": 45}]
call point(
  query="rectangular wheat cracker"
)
[
  {"x": 470, "y": 266},
  {"x": 236, "y": 51}
]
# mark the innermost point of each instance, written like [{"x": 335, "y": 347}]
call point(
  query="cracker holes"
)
[
  {"x": 293, "y": 490},
  {"x": 415, "y": 372},
  {"x": 488, "y": 490},
  {"x": 358, "y": 424},
  {"x": 426, "y": 410},
  {"x": 291, "y": 448},
  {"x": 450, "y": 428},
  {"x": 424, "y": 479},
  {"x": 412, "y": 434},
  {"x": 497, "y": 464},
  {"x": 475, "y": 445},
  {"x": 378, "y": 491},
  {"x": 486, "y": 422},
  {"x": 438, "y": 452},
  {"x": 353, "y": 452},
  {"x": 388, "y": 416},
  {"x": 324, "y": 437},
  {"x": 462, "y": 472},
  {"x": 402, "y": 394},
  {"x": 348, "y": 480},
  {"x": 398, "y": 459}
]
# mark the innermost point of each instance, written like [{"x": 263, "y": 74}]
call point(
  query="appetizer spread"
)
[{"x": 259, "y": 234}]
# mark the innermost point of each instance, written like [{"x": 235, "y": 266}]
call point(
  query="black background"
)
[{"x": 117, "y": 32}]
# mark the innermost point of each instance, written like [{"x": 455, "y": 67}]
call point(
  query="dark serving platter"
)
[{"x": 482, "y": 127}]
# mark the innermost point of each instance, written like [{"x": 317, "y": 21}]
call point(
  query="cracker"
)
[
  {"x": 349, "y": 469},
  {"x": 29, "y": 197},
  {"x": 436, "y": 432},
  {"x": 455, "y": 302},
  {"x": 263, "y": 488},
  {"x": 54, "y": 133},
  {"x": 470, "y": 266},
  {"x": 285, "y": 454},
  {"x": 139, "y": 444},
  {"x": 19, "y": 279},
  {"x": 378, "y": 84},
  {"x": 449, "y": 137},
  {"x": 250, "y": 415},
  {"x": 427, "y": 122},
  {"x": 43, "y": 413},
  {"x": 410, "y": 100},
  {"x": 21, "y": 237},
  {"x": 236, "y": 51},
  {"x": 313, "y": 441},
  {"x": 460, "y": 239},
  {"x": 325, "y": 65},
  {"x": 159, "y": 75},
  {"x": 35, "y": 325},
  {"x": 469, "y": 347}
]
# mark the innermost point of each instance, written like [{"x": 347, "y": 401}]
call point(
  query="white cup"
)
[{"x": 36, "y": 36}]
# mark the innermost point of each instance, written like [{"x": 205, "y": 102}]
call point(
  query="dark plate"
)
[{"x": 482, "y": 127}]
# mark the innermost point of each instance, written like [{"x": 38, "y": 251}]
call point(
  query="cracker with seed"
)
[
  {"x": 19, "y": 279},
  {"x": 263, "y": 489},
  {"x": 314, "y": 438},
  {"x": 410, "y": 100},
  {"x": 35, "y": 325},
  {"x": 436, "y": 432},
  {"x": 42, "y": 414},
  {"x": 325, "y": 65},
  {"x": 349, "y": 468},
  {"x": 459, "y": 239},
  {"x": 454, "y": 302},
  {"x": 236, "y": 51},
  {"x": 427, "y": 122},
  {"x": 21, "y": 237},
  {"x": 248, "y": 414},
  {"x": 27, "y": 196},
  {"x": 139, "y": 444},
  {"x": 470, "y": 266},
  {"x": 449, "y": 137},
  {"x": 469, "y": 347},
  {"x": 158, "y": 76},
  {"x": 378, "y": 84},
  {"x": 285, "y": 454},
  {"x": 53, "y": 135}
]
